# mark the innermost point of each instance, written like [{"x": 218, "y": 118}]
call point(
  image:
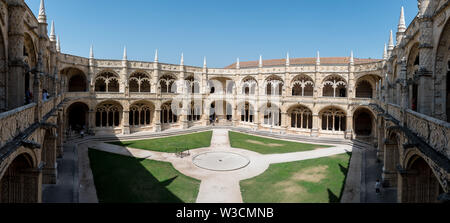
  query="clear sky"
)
[{"x": 226, "y": 29}]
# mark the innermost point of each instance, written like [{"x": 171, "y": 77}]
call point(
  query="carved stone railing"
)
[
  {"x": 433, "y": 131},
  {"x": 47, "y": 106},
  {"x": 395, "y": 111},
  {"x": 15, "y": 121}
]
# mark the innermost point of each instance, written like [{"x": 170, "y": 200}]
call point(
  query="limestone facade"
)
[{"x": 400, "y": 104}]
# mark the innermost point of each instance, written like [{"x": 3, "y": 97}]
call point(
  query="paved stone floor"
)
[
  {"x": 63, "y": 191},
  {"x": 373, "y": 171}
]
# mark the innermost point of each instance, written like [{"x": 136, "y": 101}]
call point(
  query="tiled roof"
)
[{"x": 308, "y": 61}]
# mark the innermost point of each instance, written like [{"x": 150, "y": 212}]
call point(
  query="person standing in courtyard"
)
[{"x": 378, "y": 187}]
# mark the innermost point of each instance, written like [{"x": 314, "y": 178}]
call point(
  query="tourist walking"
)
[{"x": 378, "y": 187}]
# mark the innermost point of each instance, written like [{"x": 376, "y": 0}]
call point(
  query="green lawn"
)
[
  {"x": 171, "y": 144},
  {"x": 268, "y": 146},
  {"x": 310, "y": 181},
  {"x": 121, "y": 179}
]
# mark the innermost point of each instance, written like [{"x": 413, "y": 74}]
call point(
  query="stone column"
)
[
  {"x": 158, "y": 120},
  {"x": 389, "y": 169},
  {"x": 284, "y": 121},
  {"x": 16, "y": 92},
  {"x": 426, "y": 87},
  {"x": 316, "y": 126},
  {"x": 349, "y": 128},
  {"x": 126, "y": 122},
  {"x": 49, "y": 172}
]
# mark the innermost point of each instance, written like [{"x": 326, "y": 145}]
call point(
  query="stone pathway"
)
[
  {"x": 216, "y": 186},
  {"x": 373, "y": 171},
  {"x": 64, "y": 191}
]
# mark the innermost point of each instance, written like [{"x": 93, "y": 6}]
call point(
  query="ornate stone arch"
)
[
  {"x": 334, "y": 86},
  {"x": 333, "y": 118},
  {"x": 301, "y": 116},
  {"x": 249, "y": 85},
  {"x": 442, "y": 74},
  {"x": 141, "y": 113},
  {"x": 107, "y": 81},
  {"x": 273, "y": 85},
  {"x": 77, "y": 80},
  {"x": 302, "y": 85},
  {"x": 108, "y": 114},
  {"x": 139, "y": 81}
]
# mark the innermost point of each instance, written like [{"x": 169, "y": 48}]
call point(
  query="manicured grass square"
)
[
  {"x": 171, "y": 144},
  {"x": 122, "y": 179},
  {"x": 310, "y": 181},
  {"x": 268, "y": 146}
]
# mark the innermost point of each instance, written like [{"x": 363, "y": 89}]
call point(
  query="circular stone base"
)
[{"x": 220, "y": 161}]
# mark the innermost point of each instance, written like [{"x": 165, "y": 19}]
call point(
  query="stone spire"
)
[
  {"x": 58, "y": 45},
  {"x": 125, "y": 53},
  {"x": 42, "y": 18},
  {"x": 402, "y": 23},
  {"x": 238, "y": 64},
  {"x": 391, "y": 42},
  {"x": 204, "y": 62},
  {"x": 182, "y": 59},
  {"x": 385, "y": 55},
  {"x": 91, "y": 52},
  {"x": 52, "y": 32},
  {"x": 288, "y": 60},
  {"x": 260, "y": 61},
  {"x": 318, "y": 58},
  {"x": 156, "y": 56},
  {"x": 352, "y": 59}
]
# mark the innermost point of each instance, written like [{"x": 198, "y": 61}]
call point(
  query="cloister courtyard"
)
[{"x": 218, "y": 166}]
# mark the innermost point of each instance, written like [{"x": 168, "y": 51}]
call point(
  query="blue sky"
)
[{"x": 224, "y": 30}]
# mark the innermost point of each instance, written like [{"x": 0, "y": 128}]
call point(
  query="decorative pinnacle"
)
[
  {"x": 156, "y": 56},
  {"x": 52, "y": 32},
  {"x": 402, "y": 23},
  {"x": 91, "y": 52},
  {"x": 288, "y": 60},
  {"x": 58, "y": 45},
  {"x": 238, "y": 64},
  {"x": 42, "y": 18},
  {"x": 125, "y": 53},
  {"x": 385, "y": 55},
  {"x": 182, "y": 59},
  {"x": 391, "y": 42},
  {"x": 260, "y": 61},
  {"x": 204, "y": 62},
  {"x": 318, "y": 58},
  {"x": 352, "y": 60}
]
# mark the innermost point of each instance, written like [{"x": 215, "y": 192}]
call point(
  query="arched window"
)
[
  {"x": 77, "y": 83},
  {"x": 167, "y": 84},
  {"x": 303, "y": 86},
  {"x": 192, "y": 85},
  {"x": 301, "y": 118},
  {"x": 272, "y": 115},
  {"x": 107, "y": 82},
  {"x": 140, "y": 115},
  {"x": 274, "y": 86},
  {"x": 334, "y": 119},
  {"x": 195, "y": 112},
  {"x": 364, "y": 90},
  {"x": 247, "y": 113},
  {"x": 139, "y": 82},
  {"x": 249, "y": 86},
  {"x": 167, "y": 115},
  {"x": 108, "y": 115},
  {"x": 334, "y": 86}
]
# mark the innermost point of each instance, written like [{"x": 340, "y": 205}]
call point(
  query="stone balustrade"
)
[
  {"x": 16, "y": 121},
  {"x": 433, "y": 131}
]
